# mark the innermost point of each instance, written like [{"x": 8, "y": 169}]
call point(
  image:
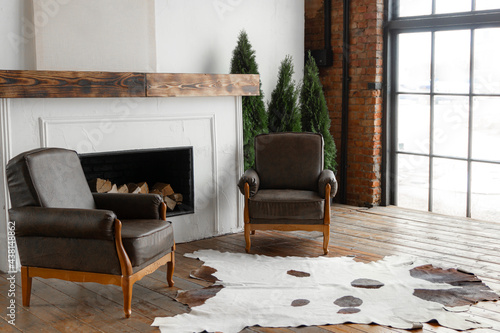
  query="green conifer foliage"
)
[
  {"x": 283, "y": 110},
  {"x": 254, "y": 109},
  {"x": 314, "y": 112}
]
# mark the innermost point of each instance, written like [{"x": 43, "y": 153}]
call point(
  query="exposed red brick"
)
[{"x": 365, "y": 106}]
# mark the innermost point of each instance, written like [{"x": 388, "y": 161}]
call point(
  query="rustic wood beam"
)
[
  {"x": 56, "y": 84},
  {"x": 174, "y": 85}
]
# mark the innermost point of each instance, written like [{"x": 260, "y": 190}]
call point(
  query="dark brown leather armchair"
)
[
  {"x": 66, "y": 232},
  {"x": 288, "y": 190}
]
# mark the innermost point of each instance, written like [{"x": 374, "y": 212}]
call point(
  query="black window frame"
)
[{"x": 395, "y": 25}]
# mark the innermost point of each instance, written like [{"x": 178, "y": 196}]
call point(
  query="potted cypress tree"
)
[
  {"x": 314, "y": 112},
  {"x": 283, "y": 110},
  {"x": 254, "y": 110}
]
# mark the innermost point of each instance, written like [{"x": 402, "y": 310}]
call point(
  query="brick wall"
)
[{"x": 364, "y": 146}]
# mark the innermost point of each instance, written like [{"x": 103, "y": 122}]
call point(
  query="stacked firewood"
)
[{"x": 171, "y": 198}]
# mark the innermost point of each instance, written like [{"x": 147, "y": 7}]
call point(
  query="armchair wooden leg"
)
[
  {"x": 326, "y": 238},
  {"x": 26, "y": 285},
  {"x": 326, "y": 228},
  {"x": 127, "y": 296},
  {"x": 170, "y": 270},
  {"x": 246, "y": 219},
  {"x": 247, "y": 238}
]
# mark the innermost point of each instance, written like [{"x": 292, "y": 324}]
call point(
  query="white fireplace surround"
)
[{"x": 212, "y": 125}]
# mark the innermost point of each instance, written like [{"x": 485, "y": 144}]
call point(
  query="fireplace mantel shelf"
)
[{"x": 68, "y": 84}]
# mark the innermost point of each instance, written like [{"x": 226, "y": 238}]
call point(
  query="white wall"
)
[
  {"x": 195, "y": 36},
  {"x": 17, "y": 35},
  {"x": 192, "y": 36},
  {"x": 95, "y": 35},
  {"x": 198, "y": 36}
]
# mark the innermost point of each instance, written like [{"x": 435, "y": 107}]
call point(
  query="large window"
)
[{"x": 444, "y": 106}]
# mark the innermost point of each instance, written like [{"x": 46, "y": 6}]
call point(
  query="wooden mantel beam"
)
[
  {"x": 54, "y": 84},
  {"x": 70, "y": 84},
  {"x": 172, "y": 85}
]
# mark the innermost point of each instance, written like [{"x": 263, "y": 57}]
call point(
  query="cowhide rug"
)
[{"x": 401, "y": 292}]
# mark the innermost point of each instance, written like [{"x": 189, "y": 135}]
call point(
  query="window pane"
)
[
  {"x": 452, "y": 57},
  {"x": 451, "y": 126},
  {"x": 414, "y": 65},
  {"x": 485, "y": 191},
  {"x": 415, "y": 8},
  {"x": 487, "y": 4},
  {"x": 413, "y": 182},
  {"x": 413, "y": 123},
  {"x": 486, "y": 64},
  {"x": 486, "y": 128},
  {"x": 449, "y": 187},
  {"x": 453, "y": 6}
]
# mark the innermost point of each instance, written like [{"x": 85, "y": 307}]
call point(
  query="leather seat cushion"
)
[
  {"x": 146, "y": 239},
  {"x": 286, "y": 205}
]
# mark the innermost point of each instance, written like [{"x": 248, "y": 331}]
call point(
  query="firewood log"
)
[
  {"x": 156, "y": 191},
  {"x": 100, "y": 185},
  {"x": 165, "y": 189},
  {"x": 144, "y": 187},
  {"x": 136, "y": 190},
  {"x": 114, "y": 189},
  {"x": 132, "y": 187},
  {"x": 177, "y": 197},
  {"x": 170, "y": 203},
  {"x": 123, "y": 189}
]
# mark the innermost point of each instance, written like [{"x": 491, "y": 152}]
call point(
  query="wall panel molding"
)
[{"x": 48, "y": 125}]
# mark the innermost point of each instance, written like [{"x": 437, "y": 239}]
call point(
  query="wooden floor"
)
[{"x": 367, "y": 234}]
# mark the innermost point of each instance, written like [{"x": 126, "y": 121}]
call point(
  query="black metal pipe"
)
[
  {"x": 324, "y": 56},
  {"x": 345, "y": 105},
  {"x": 388, "y": 194},
  {"x": 328, "y": 24}
]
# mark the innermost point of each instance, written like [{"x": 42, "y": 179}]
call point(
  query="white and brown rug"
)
[{"x": 400, "y": 292}]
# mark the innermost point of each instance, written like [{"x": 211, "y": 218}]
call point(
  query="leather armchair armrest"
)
[
  {"x": 327, "y": 177},
  {"x": 252, "y": 178},
  {"x": 130, "y": 206},
  {"x": 63, "y": 222}
]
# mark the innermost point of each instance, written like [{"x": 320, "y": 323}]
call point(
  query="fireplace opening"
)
[{"x": 172, "y": 166}]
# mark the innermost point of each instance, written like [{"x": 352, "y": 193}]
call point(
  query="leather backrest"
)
[
  {"x": 289, "y": 160},
  {"x": 48, "y": 177}
]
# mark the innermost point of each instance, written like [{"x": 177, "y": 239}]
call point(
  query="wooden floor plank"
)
[
  {"x": 92, "y": 308},
  {"x": 24, "y": 319},
  {"x": 418, "y": 240},
  {"x": 434, "y": 218},
  {"x": 355, "y": 241},
  {"x": 364, "y": 234},
  {"x": 48, "y": 313},
  {"x": 423, "y": 224},
  {"x": 308, "y": 329},
  {"x": 270, "y": 330},
  {"x": 5, "y": 327},
  {"x": 485, "y": 241},
  {"x": 354, "y": 237}
]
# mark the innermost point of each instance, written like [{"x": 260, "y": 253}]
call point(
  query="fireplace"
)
[
  {"x": 212, "y": 126},
  {"x": 165, "y": 165}
]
